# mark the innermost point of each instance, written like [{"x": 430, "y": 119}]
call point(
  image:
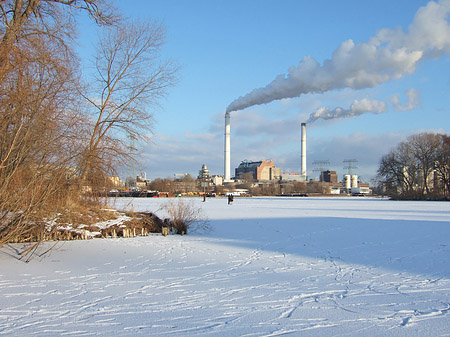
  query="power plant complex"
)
[
  {"x": 227, "y": 154},
  {"x": 266, "y": 170}
]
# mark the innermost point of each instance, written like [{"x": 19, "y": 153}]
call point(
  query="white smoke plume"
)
[
  {"x": 390, "y": 54},
  {"x": 357, "y": 108},
  {"x": 412, "y": 103}
]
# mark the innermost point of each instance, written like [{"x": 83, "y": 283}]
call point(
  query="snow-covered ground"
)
[{"x": 267, "y": 267}]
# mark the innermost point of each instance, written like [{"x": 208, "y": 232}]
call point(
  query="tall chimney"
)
[
  {"x": 227, "y": 147},
  {"x": 303, "y": 154}
]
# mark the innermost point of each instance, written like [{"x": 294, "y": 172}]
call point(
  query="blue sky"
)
[{"x": 226, "y": 49}]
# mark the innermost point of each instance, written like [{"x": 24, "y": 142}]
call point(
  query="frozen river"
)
[{"x": 266, "y": 267}]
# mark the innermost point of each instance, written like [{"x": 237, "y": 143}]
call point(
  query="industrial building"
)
[
  {"x": 329, "y": 176},
  {"x": 266, "y": 174},
  {"x": 290, "y": 177},
  {"x": 261, "y": 170},
  {"x": 204, "y": 173}
]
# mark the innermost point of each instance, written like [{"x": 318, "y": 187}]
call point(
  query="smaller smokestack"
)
[
  {"x": 227, "y": 160},
  {"x": 303, "y": 154}
]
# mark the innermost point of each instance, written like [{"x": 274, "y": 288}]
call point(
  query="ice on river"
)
[{"x": 267, "y": 267}]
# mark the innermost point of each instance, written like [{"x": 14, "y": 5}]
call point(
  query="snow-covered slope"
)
[{"x": 267, "y": 267}]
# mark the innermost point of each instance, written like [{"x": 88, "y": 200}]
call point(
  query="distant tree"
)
[
  {"x": 443, "y": 163},
  {"x": 248, "y": 180},
  {"x": 313, "y": 187},
  {"x": 219, "y": 189},
  {"x": 399, "y": 168},
  {"x": 393, "y": 173},
  {"x": 299, "y": 187},
  {"x": 162, "y": 185},
  {"x": 409, "y": 169},
  {"x": 229, "y": 187},
  {"x": 287, "y": 188},
  {"x": 188, "y": 179},
  {"x": 270, "y": 189},
  {"x": 425, "y": 147},
  {"x": 274, "y": 188},
  {"x": 256, "y": 190}
]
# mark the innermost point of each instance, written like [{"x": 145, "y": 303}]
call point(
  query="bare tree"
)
[
  {"x": 248, "y": 180},
  {"x": 36, "y": 120},
  {"x": 399, "y": 169},
  {"x": 38, "y": 112},
  {"x": 412, "y": 165},
  {"x": 163, "y": 185},
  {"x": 426, "y": 147},
  {"x": 408, "y": 168},
  {"x": 130, "y": 80},
  {"x": 21, "y": 19},
  {"x": 391, "y": 173},
  {"x": 443, "y": 164}
]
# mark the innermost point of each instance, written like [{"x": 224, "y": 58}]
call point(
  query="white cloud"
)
[
  {"x": 412, "y": 102},
  {"x": 357, "y": 108},
  {"x": 391, "y": 54}
]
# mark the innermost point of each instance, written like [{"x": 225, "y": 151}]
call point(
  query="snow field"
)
[{"x": 267, "y": 267}]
